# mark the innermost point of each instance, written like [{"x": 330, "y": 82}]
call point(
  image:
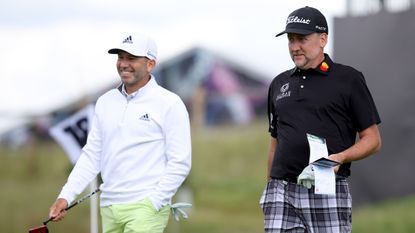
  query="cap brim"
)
[
  {"x": 296, "y": 31},
  {"x": 115, "y": 51},
  {"x": 118, "y": 50}
]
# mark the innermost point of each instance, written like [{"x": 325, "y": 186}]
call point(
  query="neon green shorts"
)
[{"x": 139, "y": 217}]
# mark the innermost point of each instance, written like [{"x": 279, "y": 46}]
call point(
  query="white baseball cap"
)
[{"x": 138, "y": 45}]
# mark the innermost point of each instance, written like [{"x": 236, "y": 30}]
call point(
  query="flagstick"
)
[{"x": 94, "y": 207}]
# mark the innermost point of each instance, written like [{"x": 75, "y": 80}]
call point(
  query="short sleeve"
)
[
  {"x": 272, "y": 117},
  {"x": 364, "y": 111}
]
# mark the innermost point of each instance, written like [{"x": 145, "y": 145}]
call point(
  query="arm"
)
[
  {"x": 178, "y": 155},
  {"x": 85, "y": 170},
  {"x": 271, "y": 151},
  {"x": 369, "y": 143}
]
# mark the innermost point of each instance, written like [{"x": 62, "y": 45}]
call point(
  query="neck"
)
[
  {"x": 133, "y": 88},
  {"x": 319, "y": 60}
]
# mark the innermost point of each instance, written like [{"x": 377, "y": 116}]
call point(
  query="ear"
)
[
  {"x": 323, "y": 39},
  {"x": 150, "y": 65}
]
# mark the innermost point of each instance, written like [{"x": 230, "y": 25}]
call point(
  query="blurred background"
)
[{"x": 219, "y": 56}]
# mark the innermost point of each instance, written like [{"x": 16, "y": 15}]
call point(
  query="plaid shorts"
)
[{"x": 289, "y": 207}]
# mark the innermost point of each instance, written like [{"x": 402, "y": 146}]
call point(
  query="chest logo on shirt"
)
[
  {"x": 145, "y": 117},
  {"x": 284, "y": 92},
  {"x": 324, "y": 67}
]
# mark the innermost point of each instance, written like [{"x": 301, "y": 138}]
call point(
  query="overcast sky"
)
[{"x": 55, "y": 51}]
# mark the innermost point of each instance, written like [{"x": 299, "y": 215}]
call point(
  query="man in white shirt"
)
[{"x": 140, "y": 143}]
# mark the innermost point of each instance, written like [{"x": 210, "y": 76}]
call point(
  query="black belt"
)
[
  {"x": 294, "y": 179},
  {"x": 289, "y": 179}
]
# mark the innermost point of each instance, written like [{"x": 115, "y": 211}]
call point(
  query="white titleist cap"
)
[{"x": 138, "y": 45}]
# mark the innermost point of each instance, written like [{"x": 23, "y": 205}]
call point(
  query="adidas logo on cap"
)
[
  {"x": 129, "y": 39},
  {"x": 138, "y": 45}
]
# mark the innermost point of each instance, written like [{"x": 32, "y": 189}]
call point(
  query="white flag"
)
[{"x": 72, "y": 132}]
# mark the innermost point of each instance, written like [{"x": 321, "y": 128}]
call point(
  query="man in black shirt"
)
[{"x": 322, "y": 98}]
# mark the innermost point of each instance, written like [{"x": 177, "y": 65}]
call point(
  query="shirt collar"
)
[
  {"x": 124, "y": 92},
  {"x": 140, "y": 91},
  {"x": 323, "y": 68}
]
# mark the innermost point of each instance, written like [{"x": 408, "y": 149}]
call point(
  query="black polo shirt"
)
[{"x": 331, "y": 101}]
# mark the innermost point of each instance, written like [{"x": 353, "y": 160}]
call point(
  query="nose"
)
[
  {"x": 122, "y": 63},
  {"x": 294, "y": 45}
]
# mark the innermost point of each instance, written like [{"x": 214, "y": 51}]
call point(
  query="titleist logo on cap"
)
[{"x": 296, "y": 19}]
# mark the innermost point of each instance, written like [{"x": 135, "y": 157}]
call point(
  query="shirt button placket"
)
[
  {"x": 300, "y": 91},
  {"x": 302, "y": 85}
]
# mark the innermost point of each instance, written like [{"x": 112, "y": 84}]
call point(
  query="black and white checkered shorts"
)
[{"x": 289, "y": 207}]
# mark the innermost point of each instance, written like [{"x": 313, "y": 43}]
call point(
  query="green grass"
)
[
  {"x": 395, "y": 216},
  {"x": 227, "y": 179},
  {"x": 30, "y": 179}
]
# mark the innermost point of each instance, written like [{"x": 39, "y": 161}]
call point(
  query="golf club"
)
[{"x": 44, "y": 229}]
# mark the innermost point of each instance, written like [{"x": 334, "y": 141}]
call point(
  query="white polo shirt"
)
[{"x": 141, "y": 146}]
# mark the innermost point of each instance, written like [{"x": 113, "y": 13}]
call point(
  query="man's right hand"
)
[{"x": 57, "y": 211}]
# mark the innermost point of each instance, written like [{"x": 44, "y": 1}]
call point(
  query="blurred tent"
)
[
  {"x": 215, "y": 90},
  {"x": 380, "y": 45},
  {"x": 20, "y": 129}
]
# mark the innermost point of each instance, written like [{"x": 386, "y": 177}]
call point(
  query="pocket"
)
[
  {"x": 149, "y": 204},
  {"x": 263, "y": 196},
  {"x": 147, "y": 201}
]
